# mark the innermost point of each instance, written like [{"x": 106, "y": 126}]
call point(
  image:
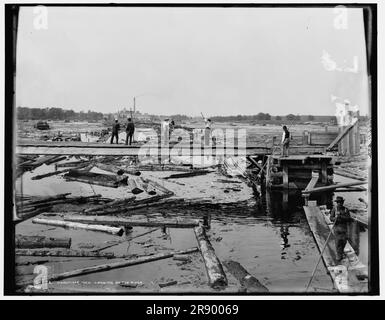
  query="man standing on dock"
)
[
  {"x": 285, "y": 141},
  {"x": 130, "y": 129},
  {"x": 115, "y": 131},
  {"x": 207, "y": 131},
  {"x": 341, "y": 217}
]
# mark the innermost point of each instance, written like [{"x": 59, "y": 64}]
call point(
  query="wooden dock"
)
[
  {"x": 106, "y": 149},
  {"x": 295, "y": 171},
  {"x": 351, "y": 275}
]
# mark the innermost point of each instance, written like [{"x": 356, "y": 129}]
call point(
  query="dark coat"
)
[
  {"x": 130, "y": 128},
  {"x": 116, "y": 127}
]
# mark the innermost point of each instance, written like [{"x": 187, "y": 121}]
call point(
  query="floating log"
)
[
  {"x": 125, "y": 240},
  {"x": 110, "y": 266},
  {"x": 43, "y": 199},
  {"x": 30, "y": 242},
  {"x": 41, "y": 176},
  {"x": 333, "y": 187},
  {"x": 39, "y": 161},
  {"x": 138, "y": 204},
  {"x": 246, "y": 280},
  {"x": 28, "y": 215},
  {"x": 215, "y": 273},
  {"x": 63, "y": 253},
  {"x": 187, "y": 174},
  {"x": 161, "y": 167},
  {"x": 111, "y": 204},
  {"x": 38, "y": 207},
  {"x": 349, "y": 175},
  {"x": 72, "y": 163},
  {"x": 74, "y": 225},
  {"x": 92, "y": 181},
  {"x": 87, "y": 199},
  {"x": 55, "y": 159},
  {"x": 171, "y": 223}
]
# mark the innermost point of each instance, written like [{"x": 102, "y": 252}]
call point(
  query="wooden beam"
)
[
  {"x": 334, "y": 186},
  {"x": 341, "y": 135},
  {"x": 285, "y": 175}
]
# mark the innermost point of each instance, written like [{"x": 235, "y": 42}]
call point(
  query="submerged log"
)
[
  {"x": 74, "y": 225},
  {"x": 63, "y": 253},
  {"x": 171, "y": 223},
  {"x": 125, "y": 240},
  {"x": 246, "y": 280},
  {"x": 29, "y": 242},
  {"x": 215, "y": 273},
  {"x": 110, "y": 266}
]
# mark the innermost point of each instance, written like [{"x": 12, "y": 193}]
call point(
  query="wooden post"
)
[
  {"x": 285, "y": 175},
  {"x": 324, "y": 175},
  {"x": 268, "y": 172}
]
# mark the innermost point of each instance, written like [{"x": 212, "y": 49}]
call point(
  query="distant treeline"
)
[
  {"x": 267, "y": 117},
  {"x": 25, "y": 113}
]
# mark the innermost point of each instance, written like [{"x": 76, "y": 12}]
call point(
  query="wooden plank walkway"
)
[
  {"x": 104, "y": 149},
  {"x": 344, "y": 276}
]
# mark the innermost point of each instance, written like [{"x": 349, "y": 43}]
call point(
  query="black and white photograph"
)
[{"x": 191, "y": 149}]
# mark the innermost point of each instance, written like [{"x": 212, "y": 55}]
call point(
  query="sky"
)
[{"x": 219, "y": 61}]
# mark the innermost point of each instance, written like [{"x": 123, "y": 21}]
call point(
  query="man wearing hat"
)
[{"x": 341, "y": 217}]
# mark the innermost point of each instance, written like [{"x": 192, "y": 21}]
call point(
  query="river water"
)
[{"x": 270, "y": 239}]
